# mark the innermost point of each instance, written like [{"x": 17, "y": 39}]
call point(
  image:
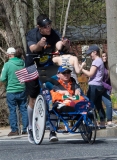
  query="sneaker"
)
[
  {"x": 60, "y": 105},
  {"x": 53, "y": 137},
  {"x": 30, "y": 136},
  {"x": 13, "y": 133},
  {"x": 24, "y": 132},
  {"x": 109, "y": 125},
  {"x": 102, "y": 127}
]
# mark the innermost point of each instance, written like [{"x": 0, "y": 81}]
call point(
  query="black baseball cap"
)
[
  {"x": 92, "y": 48},
  {"x": 43, "y": 20}
]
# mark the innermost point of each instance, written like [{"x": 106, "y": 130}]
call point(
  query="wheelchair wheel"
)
[
  {"x": 39, "y": 119},
  {"x": 82, "y": 129},
  {"x": 88, "y": 127}
]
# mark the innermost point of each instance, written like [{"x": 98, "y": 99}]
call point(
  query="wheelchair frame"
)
[{"x": 83, "y": 116}]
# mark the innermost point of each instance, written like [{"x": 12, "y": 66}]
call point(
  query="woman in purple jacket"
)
[{"x": 106, "y": 94}]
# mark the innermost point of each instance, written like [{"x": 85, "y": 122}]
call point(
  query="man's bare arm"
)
[{"x": 38, "y": 47}]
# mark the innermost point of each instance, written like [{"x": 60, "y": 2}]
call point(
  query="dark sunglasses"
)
[{"x": 67, "y": 72}]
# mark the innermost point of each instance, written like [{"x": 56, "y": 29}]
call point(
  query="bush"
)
[{"x": 114, "y": 100}]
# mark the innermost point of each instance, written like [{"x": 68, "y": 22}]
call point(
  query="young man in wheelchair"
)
[{"x": 65, "y": 93}]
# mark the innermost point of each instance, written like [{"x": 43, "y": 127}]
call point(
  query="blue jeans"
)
[
  {"x": 107, "y": 101},
  {"x": 95, "y": 95},
  {"x": 19, "y": 100}
]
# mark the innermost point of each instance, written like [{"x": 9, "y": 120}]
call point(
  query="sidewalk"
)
[
  {"x": 108, "y": 132},
  {"x": 5, "y": 130}
]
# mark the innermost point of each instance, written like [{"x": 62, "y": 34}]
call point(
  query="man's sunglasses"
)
[{"x": 67, "y": 72}]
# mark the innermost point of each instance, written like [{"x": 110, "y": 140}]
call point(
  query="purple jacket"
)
[{"x": 106, "y": 81}]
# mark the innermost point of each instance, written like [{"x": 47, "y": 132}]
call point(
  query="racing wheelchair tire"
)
[
  {"x": 88, "y": 129},
  {"x": 39, "y": 119}
]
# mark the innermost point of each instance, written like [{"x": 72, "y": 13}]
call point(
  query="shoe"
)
[
  {"x": 60, "y": 105},
  {"x": 102, "y": 127},
  {"x": 13, "y": 133},
  {"x": 53, "y": 137},
  {"x": 24, "y": 132},
  {"x": 30, "y": 136},
  {"x": 109, "y": 125}
]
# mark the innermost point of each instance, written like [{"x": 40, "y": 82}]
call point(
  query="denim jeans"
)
[
  {"x": 95, "y": 95},
  {"x": 19, "y": 100},
  {"x": 107, "y": 101}
]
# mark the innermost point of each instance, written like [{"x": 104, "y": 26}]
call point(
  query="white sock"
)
[{"x": 30, "y": 115}]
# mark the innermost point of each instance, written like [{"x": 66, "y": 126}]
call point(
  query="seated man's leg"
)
[
  {"x": 53, "y": 136},
  {"x": 49, "y": 85}
]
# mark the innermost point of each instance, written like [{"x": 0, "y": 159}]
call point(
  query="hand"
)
[
  {"x": 77, "y": 92},
  {"x": 42, "y": 42},
  {"x": 66, "y": 43},
  {"x": 83, "y": 64},
  {"x": 66, "y": 93}
]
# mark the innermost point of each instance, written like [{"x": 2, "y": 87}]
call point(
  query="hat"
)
[
  {"x": 44, "y": 22},
  {"x": 92, "y": 48},
  {"x": 62, "y": 69},
  {"x": 11, "y": 50}
]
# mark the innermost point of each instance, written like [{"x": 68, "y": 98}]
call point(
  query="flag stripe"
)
[
  {"x": 27, "y": 78},
  {"x": 27, "y": 74}
]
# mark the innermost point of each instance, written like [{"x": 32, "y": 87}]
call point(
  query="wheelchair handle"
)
[{"x": 45, "y": 53}]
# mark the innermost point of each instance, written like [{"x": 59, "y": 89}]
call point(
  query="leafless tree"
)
[
  {"x": 35, "y": 10},
  {"x": 52, "y": 12}
]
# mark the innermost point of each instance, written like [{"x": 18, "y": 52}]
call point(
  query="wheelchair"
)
[{"x": 83, "y": 116}]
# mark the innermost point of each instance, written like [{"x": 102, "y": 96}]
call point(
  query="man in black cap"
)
[{"x": 39, "y": 40}]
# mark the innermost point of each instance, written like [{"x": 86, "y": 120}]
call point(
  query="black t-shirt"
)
[{"x": 32, "y": 37}]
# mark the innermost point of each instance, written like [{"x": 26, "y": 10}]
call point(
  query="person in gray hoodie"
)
[{"x": 15, "y": 91}]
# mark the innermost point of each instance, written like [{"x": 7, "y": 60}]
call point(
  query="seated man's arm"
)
[{"x": 77, "y": 89}]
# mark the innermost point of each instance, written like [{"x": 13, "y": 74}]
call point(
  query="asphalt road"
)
[{"x": 65, "y": 149}]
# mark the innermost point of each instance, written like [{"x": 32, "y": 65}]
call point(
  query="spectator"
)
[
  {"x": 16, "y": 96},
  {"x": 106, "y": 95},
  {"x": 66, "y": 93},
  {"x": 39, "y": 40},
  {"x": 95, "y": 83},
  {"x": 66, "y": 58}
]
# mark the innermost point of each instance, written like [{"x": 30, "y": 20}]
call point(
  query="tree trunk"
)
[
  {"x": 11, "y": 19},
  {"x": 20, "y": 24},
  {"x": 111, "y": 12},
  {"x": 35, "y": 10},
  {"x": 52, "y": 12},
  {"x": 23, "y": 6}
]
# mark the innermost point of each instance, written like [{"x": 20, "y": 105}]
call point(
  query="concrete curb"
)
[{"x": 108, "y": 132}]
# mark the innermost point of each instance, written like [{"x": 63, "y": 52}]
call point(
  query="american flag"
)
[{"x": 27, "y": 74}]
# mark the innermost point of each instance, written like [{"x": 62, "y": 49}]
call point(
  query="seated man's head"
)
[{"x": 64, "y": 73}]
